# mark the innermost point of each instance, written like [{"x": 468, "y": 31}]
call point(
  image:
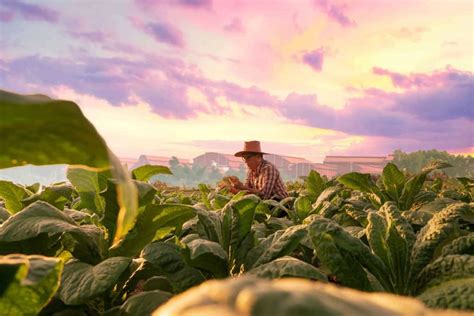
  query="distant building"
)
[
  {"x": 285, "y": 162},
  {"x": 158, "y": 161},
  {"x": 220, "y": 161},
  {"x": 362, "y": 164}
]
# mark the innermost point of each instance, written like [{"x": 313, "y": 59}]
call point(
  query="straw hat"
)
[{"x": 250, "y": 147}]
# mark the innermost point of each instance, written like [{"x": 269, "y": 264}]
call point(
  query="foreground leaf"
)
[
  {"x": 81, "y": 282},
  {"x": 40, "y": 131},
  {"x": 288, "y": 267},
  {"x": 28, "y": 283},
  {"x": 13, "y": 194},
  {"x": 251, "y": 296}
]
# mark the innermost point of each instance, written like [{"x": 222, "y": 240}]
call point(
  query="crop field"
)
[{"x": 109, "y": 242}]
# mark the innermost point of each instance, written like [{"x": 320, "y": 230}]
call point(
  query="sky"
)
[{"x": 306, "y": 78}]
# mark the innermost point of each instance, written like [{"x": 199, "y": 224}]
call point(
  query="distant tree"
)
[{"x": 463, "y": 166}]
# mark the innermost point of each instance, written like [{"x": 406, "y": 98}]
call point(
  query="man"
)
[{"x": 263, "y": 178}]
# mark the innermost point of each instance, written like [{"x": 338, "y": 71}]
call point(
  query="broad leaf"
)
[
  {"x": 455, "y": 294},
  {"x": 144, "y": 173},
  {"x": 13, "y": 194},
  {"x": 463, "y": 245},
  {"x": 28, "y": 283},
  {"x": 278, "y": 244},
  {"x": 40, "y": 131},
  {"x": 153, "y": 223},
  {"x": 56, "y": 195},
  {"x": 441, "y": 229},
  {"x": 288, "y": 267},
  {"x": 358, "y": 181},
  {"x": 345, "y": 256},
  {"x": 81, "y": 282},
  {"x": 89, "y": 184},
  {"x": 207, "y": 255},
  {"x": 168, "y": 260},
  {"x": 144, "y": 303},
  {"x": 393, "y": 180},
  {"x": 40, "y": 217},
  {"x": 445, "y": 269},
  {"x": 302, "y": 207},
  {"x": 314, "y": 184}
]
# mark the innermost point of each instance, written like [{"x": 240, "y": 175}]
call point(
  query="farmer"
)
[{"x": 263, "y": 178}]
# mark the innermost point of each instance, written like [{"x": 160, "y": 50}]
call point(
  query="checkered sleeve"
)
[
  {"x": 248, "y": 182},
  {"x": 270, "y": 176}
]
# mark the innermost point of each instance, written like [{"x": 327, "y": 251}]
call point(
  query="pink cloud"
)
[
  {"x": 161, "y": 32},
  {"x": 314, "y": 59},
  {"x": 235, "y": 26},
  {"x": 6, "y": 16},
  {"x": 449, "y": 76},
  {"x": 335, "y": 12},
  {"x": 193, "y": 4}
]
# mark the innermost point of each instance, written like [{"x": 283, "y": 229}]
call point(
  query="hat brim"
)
[{"x": 242, "y": 153}]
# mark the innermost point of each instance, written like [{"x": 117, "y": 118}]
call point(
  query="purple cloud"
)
[
  {"x": 165, "y": 33},
  {"x": 31, "y": 11},
  {"x": 314, "y": 59},
  {"x": 6, "y": 16},
  {"x": 235, "y": 26},
  {"x": 432, "y": 115},
  {"x": 91, "y": 36},
  {"x": 193, "y": 4},
  {"x": 447, "y": 77},
  {"x": 335, "y": 12}
]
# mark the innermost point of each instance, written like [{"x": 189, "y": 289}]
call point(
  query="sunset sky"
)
[{"x": 306, "y": 78}]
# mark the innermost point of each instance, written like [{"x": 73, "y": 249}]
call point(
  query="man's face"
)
[{"x": 252, "y": 160}]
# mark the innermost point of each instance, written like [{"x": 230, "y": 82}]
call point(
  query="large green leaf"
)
[
  {"x": 13, "y": 194},
  {"x": 144, "y": 303},
  {"x": 40, "y": 218},
  {"x": 252, "y": 296},
  {"x": 393, "y": 180},
  {"x": 167, "y": 258},
  {"x": 327, "y": 195},
  {"x": 144, "y": 173},
  {"x": 463, "y": 245},
  {"x": 358, "y": 181},
  {"x": 28, "y": 283},
  {"x": 209, "y": 225},
  {"x": 56, "y": 195},
  {"x": 207, "y": 255},
  {"x": 89, "y": 184},
  {"x": 278, "y": 244},
  {"x": 302, "y": 207},
  {"x": 237, "y": 222},
  {"x": 154, "y": 222},
  {"x": 440, "y": 230},
  {"x": 444, "y": 269},
  {"x": 346, "y": 256},
  {"x": 40, "y": 131},
  {"x": 81, "y": 282},
  {"x": 455, "y": 294},
  {"x": 288, "y": 267},
  {"x": 414, "y": 184},
  {"x": 314, "y": 185}
]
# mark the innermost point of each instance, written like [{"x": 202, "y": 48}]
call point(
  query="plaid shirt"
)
[{"x": 267, "y": 180}]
